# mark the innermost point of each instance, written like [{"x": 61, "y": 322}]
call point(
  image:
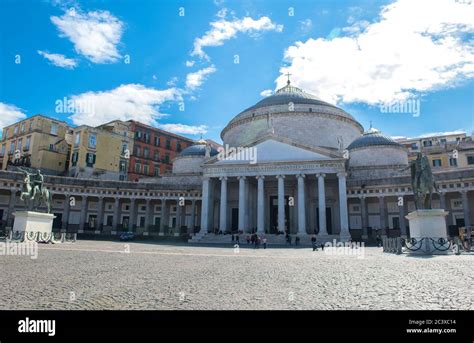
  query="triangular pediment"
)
[{"x": 270, "y": 150}]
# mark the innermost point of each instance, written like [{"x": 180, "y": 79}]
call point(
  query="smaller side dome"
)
[
  {"x": 198, "y": 150},
  {"x": 372, "y": 137}
]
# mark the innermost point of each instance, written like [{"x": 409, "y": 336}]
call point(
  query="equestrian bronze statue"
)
[
  {"x": 422, "y": 181},
  {"x": 35, "y": 193}
]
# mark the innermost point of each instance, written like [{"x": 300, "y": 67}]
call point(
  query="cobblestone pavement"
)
[{"x": 103, "y": 275}]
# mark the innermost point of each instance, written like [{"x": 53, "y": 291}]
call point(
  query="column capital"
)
[
  {"x": 258, "y": 177},
  {"x": 318, "y": 175},
  {"x": 301, "y": 175},
  {"x": 223, "y": 178},
  {"x": 463, "y": 192},
  {"x": 241, "y": 177},
  {"x": 362, "y": 197},
  {"x": 280, "y": 176},
  {"x": 341, "y": 174}
]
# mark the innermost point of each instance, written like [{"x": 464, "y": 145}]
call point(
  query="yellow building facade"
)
[
  {"x": 43, "y": 140},
  {"x": 100, "y": 152}
]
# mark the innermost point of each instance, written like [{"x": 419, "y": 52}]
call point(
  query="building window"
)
[
  {"x": 51, "y": 147},
  {"x": 146, "y": 169},
  {"x": 443, "y": 140},
  {"x": 138, "y": 151},
  {"x": 27, "y": 145},
  {"x": 453, "y": 162},
  {"x": 168, "y": 144},
  {"x": 121, "y": 177},
  {"x": 436, "y": 163},
  {"x": 414, "y": 146},
  {"x": 145, "y": 152},
  {"x": 156, "y": 156},
  {"x": 20, "y": 144},
  {"x": 23, "y": 128},
  {"x": 157, "y": 141},
  {"x": 156, "y": 171},
  {"x": 470, "y": 159},
  {"x": 138, "y": 134},
  {"x": 74, "y": 158},
  {"x": 124, "y": 148},
  {"x": 54, "y": 128},
  {"x": 90, "y": 159},
  {"x": 167, "y": 158},
  {"x": 31, "y": 126},
  {"x": 12, "y": 147},
  {"x": 92, "y": 140},
  {"x": 78, "y": 139},
  {"x": 178, "y": 147},
  {"x": 427, "y": 143},
  {"x": 138, "y": 168},
  {"x": 4, "y": 147},
  {"x": 123, "y": 166},
  {"x": 15, "y": 131}
]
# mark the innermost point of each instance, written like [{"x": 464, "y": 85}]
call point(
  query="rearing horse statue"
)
[
  {"x": 422, "y": 181},
  {"x": 35, "y": 190}
]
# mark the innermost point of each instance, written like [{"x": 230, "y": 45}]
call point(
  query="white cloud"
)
[
  {"x": 195, "y": 80},
  {"x": 59, "y": 60},
  {"x": 190, "y": 63},
  {"x": 185, "y": 129},
  {"x": 266, "y": 92},
  {"x": 414, "y": 47},
  {"x": 10, "y": 114},
  {"x": 94, "y": 34},
  {"x": 223, "y": 30},
  {"x": 130, "y": 101},
  {"x": 172, "y": 82}
]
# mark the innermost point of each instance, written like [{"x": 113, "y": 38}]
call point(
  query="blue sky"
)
[{"x": 172, "y": 64}]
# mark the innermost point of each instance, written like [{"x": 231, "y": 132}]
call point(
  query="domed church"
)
[{"x": 295, "y": 164}]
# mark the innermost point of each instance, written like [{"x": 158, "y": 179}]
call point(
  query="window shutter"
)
[{"x": 93, "y": 158}]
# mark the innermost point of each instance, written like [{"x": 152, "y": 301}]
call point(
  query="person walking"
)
[
  {"x": 313, "y": 243},
  {"x": 264, "y": 240},
  {"x": 237, "y": 239}
]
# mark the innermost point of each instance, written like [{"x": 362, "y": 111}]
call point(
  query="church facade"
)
[{"x": 290, "y": 164}]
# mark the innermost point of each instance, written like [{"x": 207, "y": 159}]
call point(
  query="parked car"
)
[{"x": 127, "y": 236}]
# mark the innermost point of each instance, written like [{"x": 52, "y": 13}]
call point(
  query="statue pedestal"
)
[
  {"x": 428, "y": 227},
  {"x": 34, "y": 224}
]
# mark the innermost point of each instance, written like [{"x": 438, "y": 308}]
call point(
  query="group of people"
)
[{"x": 253, "y": 239}]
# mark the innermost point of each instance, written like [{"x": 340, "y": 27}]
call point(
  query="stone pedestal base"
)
[
  {"x": 34, "y": 223},
  {"x": 428, "y": 227}
]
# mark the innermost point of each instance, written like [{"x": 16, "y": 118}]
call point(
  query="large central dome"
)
[{"x": 294, "y": 114}]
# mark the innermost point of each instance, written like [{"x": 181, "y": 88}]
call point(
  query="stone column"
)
[
  {"x": 205, "y": 205},
  {"x": 344, "y": 220},
  {"x": 322, "y": 205},
  {"x": 179, "y": 209},
  {"x": 281, "y": 202},
  {"x": 183, "y": 215},
  {"x": 163, "y": 215},
  {"x": 363, "y": 211},
  {"x": 11, "y": 207},
  {"x": 132, "y": 216},
  {"x": 116, "y": 217},
  {"x": 193, "y": 215},
  {"x": 260, "y": 205},
  {"x": 465, "y": 208},
  {"x": 383, "y": 222},
  {"x": 247, "y": 198},
  {"x": 148, "y": 214},
  {"x": 83, "y": 217},
  {"x": 401, "y": 215},
  {"x": 67, "y": 209},
  {"x": 241, "y": 203},
  {"x": 100, "y": 213},
  {"x": 301, "y": 205},
  {"x": 223, "y": 205},
  {"x": 442, "y": 200}
]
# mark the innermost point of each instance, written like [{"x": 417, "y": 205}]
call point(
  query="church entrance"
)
[
  {"x": 235, "y": 220},
  {"x": 274, "y": 214}
]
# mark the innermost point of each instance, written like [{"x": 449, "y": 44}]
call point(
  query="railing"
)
[
  {"x": 427, "y": 245},
  {"x": 41, "y": 237}
]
